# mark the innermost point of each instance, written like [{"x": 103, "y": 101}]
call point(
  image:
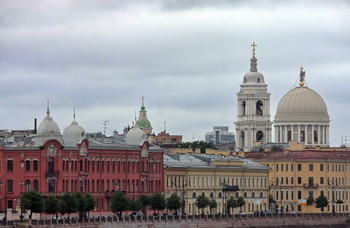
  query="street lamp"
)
[{"x": 21, "y": 203}]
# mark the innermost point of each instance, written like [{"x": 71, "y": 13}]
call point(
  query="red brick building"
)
[{"x": 52, "y": 163}]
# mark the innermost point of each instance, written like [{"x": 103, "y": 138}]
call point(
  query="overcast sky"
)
[{"x": 187, "y": 58}]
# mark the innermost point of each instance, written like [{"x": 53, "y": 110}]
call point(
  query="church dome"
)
[
  {"x": 301, "y": 104},
  {"x": 73, "y": 134},
  {"x": 135, "y": 136},
  {"x": 48, "y": 127}
]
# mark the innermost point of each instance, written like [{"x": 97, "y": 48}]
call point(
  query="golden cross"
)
[
  {"x": 301, "y": 68},
  {"x": 253, "y": 45}
]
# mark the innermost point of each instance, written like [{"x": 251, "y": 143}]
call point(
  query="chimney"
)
[{"x": 35, "y": 123}]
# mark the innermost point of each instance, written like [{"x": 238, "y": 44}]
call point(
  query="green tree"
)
[
  {"x": 202, "y": 202},
  {"x": 240, "y": 202},
  {"x": 62, "y": 207},
  {"x": 174, "y": 202},
  {"x": 158, "y": 202},
  {"x": 33, "y": 201},
  {"x": 310, "y": 200},
  {"x": 119, "y": 203},
  {"x": 51, "y": 205},
  {"x": 321, "y": 202},
  {"x": 212, "y": 204},
  {"x": 145, "y": 201},
  {"x": 90, "y": 203},
  {"x": 81, "y": 205},
  {"x": 231, "y": 203},
  {"x": 70, "y": 203},
  {"x": 135, "y": 205}
]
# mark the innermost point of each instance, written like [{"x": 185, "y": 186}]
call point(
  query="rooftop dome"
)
[
  {"x": 73, "y": 134},
  {"x": 253, "y": 77},
  {"x": 48, "y": 126},
  {"x": 301, "y": 104},
  {"x": 135, "y": 136}
]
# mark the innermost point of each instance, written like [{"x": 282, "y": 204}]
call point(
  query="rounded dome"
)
[
  {"x": 135, "y": 136},
  {"x": 48, "y": 127},
  {"x": 301, "y": 104},
  {"x": 73, "y": 134},
  {"x": 253, "y": 78}
]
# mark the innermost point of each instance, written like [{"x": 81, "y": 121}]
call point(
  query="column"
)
[
  {"x": 292, "y": 131},
  {"x": 286, "y": 133},
  {"x": 298, "y": 133},
  {"x": 323, "y": 135},
  {"x": 318, "y": 135},
  {"x": 312, "y": 135},
  {"x": 305, "y": 131},
  {"x": 327, "y": 135}
]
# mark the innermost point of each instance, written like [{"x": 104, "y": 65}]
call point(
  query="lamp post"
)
[{"x": 21, "y": 216}]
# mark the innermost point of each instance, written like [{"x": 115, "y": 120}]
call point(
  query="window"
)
[
  {"x": 286, "y": 180},
  {"x": 281, "y": 167},
  {"x": 27, "y": 166},
  {"x": 311, "y": 181},
  {"x": 35, "y": 166},
  {"x": 299, "y": 180},
  {"x": 276, "y": 167},
  {"x": 321, "y": 167},
  {"x": 259, "y": 108},
  {"x": 281, "y": 180},
  {"x": 291, "y": 195},
  {"x": 299, "y": 167},
  {"x": 302, "y": 136},
  {"x": 315, "y": 137},
  {"x": 259, "y": 136},
  {"x": 36, "y": 185},
  {"x": 10, "y": 166},
  {"x": 292, "y": 180},
  {"x": 289, "y": 135},
  {"x": 9, "y": 186},
  {"x": 286, "y": 167},
  {"x": 27, "y": 185},
  {"x": 321, "y": 180},
  {"x": 299, "y": 195},
  {"x": 243, "y": 107},
  {"x": 311, "y": 167},
  {"x": 291, "y": 167}
]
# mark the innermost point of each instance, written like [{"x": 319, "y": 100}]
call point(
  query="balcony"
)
[
  {"x": 53, "y": 173},
  {"x": 310, "y": 185}
]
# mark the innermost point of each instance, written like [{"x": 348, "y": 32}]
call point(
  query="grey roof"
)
[{"x": 206, "y": 161}]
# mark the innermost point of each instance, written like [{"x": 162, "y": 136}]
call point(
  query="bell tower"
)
[{"x": 253, "y": 126}]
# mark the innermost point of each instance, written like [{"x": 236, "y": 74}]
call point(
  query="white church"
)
[{"x": 301, "y": 114}]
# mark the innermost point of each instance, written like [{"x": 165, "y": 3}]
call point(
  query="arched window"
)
[
  {"x": 259, "y": 136},
  {"x": 236, "y": 194},
  {"x": 302, "y": 136},
  {"x": 10, "y": 166},
  {"x": 211, "y": 195},
  {"x": 253, "y": 195},
  {"x": 27, "y": 184},
  {"x": 36, "y": 185},
  {"x": 51, "y": 165},
  {"x": 245, "y": 195},
  {"x": 243, "y": 108},
  {"x": 258, "y": 79},
  {"x": 289, "y": 136},
  {"x": 220, "y": 195},
  {"x": 259, "y": 107},
  {"x": 261, "y": 195},
  {"x": 194, "y": 195},
  {"x": 203, "y": 193},
  {"x": 315, "y": 137},
  {"x": 242, "y": 139}
]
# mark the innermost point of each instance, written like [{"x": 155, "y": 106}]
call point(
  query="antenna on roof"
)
[{"x": 105, "y": 126}]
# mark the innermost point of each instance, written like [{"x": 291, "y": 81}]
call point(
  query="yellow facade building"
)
[
  {"x": 190, "y": 175},
  {"x": 296, "y": 175}
]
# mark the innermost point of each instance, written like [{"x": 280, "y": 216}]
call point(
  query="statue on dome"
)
[{"x": 302, "y": 76}]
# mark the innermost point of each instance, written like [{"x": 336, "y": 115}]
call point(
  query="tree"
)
[
  {"x": 202, "y": 202},
  {"x": 240, "y": 202},
  {"x": 145, "y": 201},
  {"x": 321, "y": 202},
  {"x": 90, "y": 203},
  {"x": 212, "y": 204},
  {"x": 33, "y": 201},
  {"x": 232, "y": 203},
  {"x": 174, "y": 202},
  {"x": 81, "y": 205},
  {"x": 70, "y": 203},
  {"x": 158, "y": 202},
  {"x": 62, "y": 207},
  {"x": 51, "y": 205},
  {"x": 134, "y": 205},
  {"x": 310, "y": 200},
  {"x": 119, "y": 203}
]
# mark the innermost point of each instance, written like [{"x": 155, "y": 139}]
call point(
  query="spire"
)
[
  {"x": 253, "y": 64},
  {"x": 143, "y": 101},
  {"x": 48, "y": 108},
  {"x": 74, "y": 114},
  {"x": 164, "y": 127},
  {"x": 302, "y": 76}
]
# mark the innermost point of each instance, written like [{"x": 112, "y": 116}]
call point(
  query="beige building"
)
[
  {"x": 191, "y": 175},
  {"x": 296, "y": 175}
]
